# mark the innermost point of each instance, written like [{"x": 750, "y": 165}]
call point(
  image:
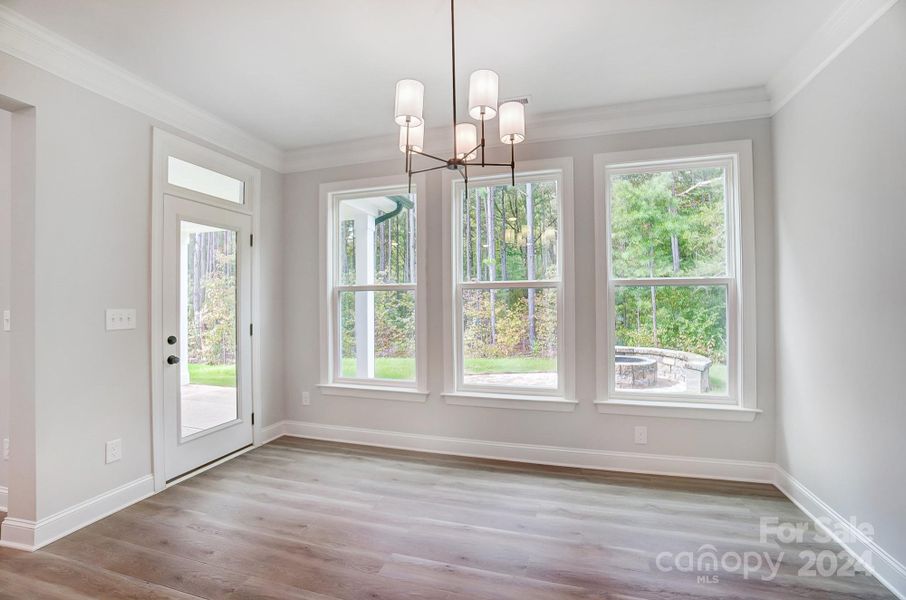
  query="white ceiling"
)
[{"x": 305, "y": 72}]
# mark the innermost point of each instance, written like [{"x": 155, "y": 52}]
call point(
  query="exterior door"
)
[{"x": 207, "y": 337}]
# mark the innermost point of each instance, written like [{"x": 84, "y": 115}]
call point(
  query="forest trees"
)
[
  {"x": 211, "y": 288},
  {"x": 670, "y": 224},
  {"x": 394, "y": 258},
  {"x": 510, "y": 234}
]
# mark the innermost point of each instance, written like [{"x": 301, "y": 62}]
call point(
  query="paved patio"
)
[
  {"x": 206, "y": 406},
  {"x": 549, "y": 380}
]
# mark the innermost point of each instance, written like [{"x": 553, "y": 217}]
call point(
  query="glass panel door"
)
[
  {"x": 207, "y": 355},
  {"x": 208, "y": 327}
]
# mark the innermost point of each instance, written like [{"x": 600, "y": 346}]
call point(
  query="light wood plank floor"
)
[{"x": 311, "y": 520}]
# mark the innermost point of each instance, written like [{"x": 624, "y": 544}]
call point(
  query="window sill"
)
[
  {"x": 509, "y": 401},
  {"x": 676, "y": 410},
  {"x": 373, "y": 392}
]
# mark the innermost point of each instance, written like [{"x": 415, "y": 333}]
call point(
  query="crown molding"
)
[
  {"x": 24, "y": 39},
  {"x": 841, "y": 29},
  {"x": 677, "y": 111}
]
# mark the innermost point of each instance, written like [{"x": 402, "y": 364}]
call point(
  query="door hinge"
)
[
  {"x": 252, "y": 240},
  {"x": 251, "y": 329},
  {"x": 253, "y": 418}
]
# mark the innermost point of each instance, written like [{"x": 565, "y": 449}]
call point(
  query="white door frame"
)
[{"x": 165, "y": 145}]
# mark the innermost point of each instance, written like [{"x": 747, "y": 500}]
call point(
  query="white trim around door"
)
[{"x": 165, "y": 147}]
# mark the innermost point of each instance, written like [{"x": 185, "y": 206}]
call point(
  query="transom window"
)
[
  {"x": 374, "y": 287},
  {"x": 508, "y": 297},
  {"x": 672, "y": 284},
  {"x": 200, "y": 179}
]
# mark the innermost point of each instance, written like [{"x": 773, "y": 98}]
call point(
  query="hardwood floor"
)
[{"x": 299, "y": 519}]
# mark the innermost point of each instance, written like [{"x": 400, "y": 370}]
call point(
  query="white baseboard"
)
[
  {"x": 272, "y": 432},
  {"x": 888, "y": 570},
  {"x": 4, "y": 499},
  {"x": 655, "y": 464},
  {"x": 31, "y": 535}
]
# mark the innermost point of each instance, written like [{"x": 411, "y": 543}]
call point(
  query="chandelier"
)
[{"x": 468, "y": 149}]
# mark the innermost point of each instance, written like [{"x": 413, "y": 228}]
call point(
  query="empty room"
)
[{"x": 453, "y": 299}]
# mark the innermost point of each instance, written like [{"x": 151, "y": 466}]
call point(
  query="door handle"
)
[
  {"x": 172, "y": 360},
  {"x": 171, "y": 340}
]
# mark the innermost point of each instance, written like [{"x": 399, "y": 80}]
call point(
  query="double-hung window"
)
[
  {"x": 371, "y": 289},
  {"x": 508, "y": 293},
  {"x": 674, "y": 239}
]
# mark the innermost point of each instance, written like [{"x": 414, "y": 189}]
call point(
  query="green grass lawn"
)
[
  {"x": 219, "y": 375},
  {"x": 385, "y": 368},
  {"x": 718, "y": 375},
  {"x": 519, "y": 364},
  {"x": 404, "y": 368}
]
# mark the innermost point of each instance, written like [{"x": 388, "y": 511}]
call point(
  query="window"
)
[
  {"x": 508, "y": 294},
  {"x": 673, "y": 270},
  {"x": 199, "y": 179},
  {"x": 372, "y": 289}
]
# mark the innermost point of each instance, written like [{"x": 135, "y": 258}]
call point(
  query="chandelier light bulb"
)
[
  {"x": 512, "y": 122},
  {"x": 416, "y": 138},
  {"x": 466, "y": 140},
  {"x": 483, "y": 86},
  {"x": 410, "y": 101}
]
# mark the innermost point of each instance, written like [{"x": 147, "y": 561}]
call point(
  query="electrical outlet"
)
[
  {"x": 5, "y": 448},
  {"x": 7, "y": 325},
  {"x": 114, "y": 451},
  {"x": 641, "y": 434},
  {"x": 306, "y": 398},
  {"x": 120, "y": 318}
]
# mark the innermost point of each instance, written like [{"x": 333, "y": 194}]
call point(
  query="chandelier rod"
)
[{"x": 453, "y": 56}]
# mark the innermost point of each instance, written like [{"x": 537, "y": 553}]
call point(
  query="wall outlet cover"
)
[
  {"x": 641, "y": 434},
  {"x": 306, "y": 398},
  {"x": 5, "y": 448},
  {"x": 114, "y": 451}
]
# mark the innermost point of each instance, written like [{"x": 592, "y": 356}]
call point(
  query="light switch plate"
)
[
  {"x": 5, "y": 448},
  {"x": 114, "y": 451},
  {"x": 7, "y": 325},
  {"x": 120, "y": 318},
  {"x": 306, "y": 398}
]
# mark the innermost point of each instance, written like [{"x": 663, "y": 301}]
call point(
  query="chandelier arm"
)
[
  {"x": 513, "y": 163},
  {"x": 453, "y": 62},
  {"x": 482, "y": 138},
  {"x": 472, "y": 151},
  {"x": 411, "y": 173},
  {"x": 465, "y": 178},
  {"x": 443, "y": 160},
  {"x": 408, "y": 147}
]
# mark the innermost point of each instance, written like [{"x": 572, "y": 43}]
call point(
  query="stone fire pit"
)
[
  {"x": 635, "y": 371},
  {"x": 641, "y": 368}
]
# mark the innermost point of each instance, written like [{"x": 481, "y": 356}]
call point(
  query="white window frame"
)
[
  {"x": 382, "y": 389},
  {"x": 740, "y": 402},
  {"x": 456, "y": 392}
]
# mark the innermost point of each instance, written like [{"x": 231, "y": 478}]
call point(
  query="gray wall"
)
[
  {"x": 5, "y": 249},
  {"x": 584, "y": 428},
  {"x": 841, "y": 282},
  {"x": 91, "y": 252}
]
